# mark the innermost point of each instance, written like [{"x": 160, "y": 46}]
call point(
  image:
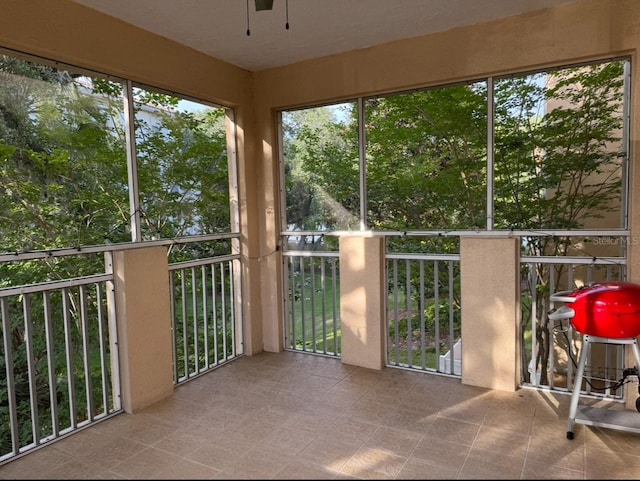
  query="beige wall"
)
[
  {"x": 490, "y": 307},
  {"x": 142, "y": 302},
  {"x": 363, "y": 292},
  {"x": 579, "y": 31},
  {"x": 67, "y": 32},
  {"x": 62, "y": 30}
]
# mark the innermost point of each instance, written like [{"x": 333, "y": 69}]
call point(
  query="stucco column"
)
[
  {"x": 490, "y": 291},
  {"x": 143, "y": 310},
  {"x": 362, "y": 301}
]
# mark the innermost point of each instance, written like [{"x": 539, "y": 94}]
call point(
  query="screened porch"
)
[{"x": 360, "y": 248}]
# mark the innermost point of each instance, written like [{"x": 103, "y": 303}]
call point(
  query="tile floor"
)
[{"x": 299, "y": 416}]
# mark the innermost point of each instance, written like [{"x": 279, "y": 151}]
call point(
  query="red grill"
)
[
  {"x": 607, "y": 309},
  {"x": 609, "y": 313}
]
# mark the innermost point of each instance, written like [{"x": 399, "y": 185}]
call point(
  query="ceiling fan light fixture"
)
[{"x": 264, "y": 5}]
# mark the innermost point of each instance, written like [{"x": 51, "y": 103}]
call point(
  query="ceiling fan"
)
[{"x": 266, "y": 5}]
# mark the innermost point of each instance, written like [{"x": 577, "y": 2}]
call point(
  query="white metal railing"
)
[
  {"x": 423, "y": 313},
  {"x": 59, "y": 339},
  {"x": 312, "y": 302},
  {"x": 427, "y": 319},
  {"x": 60, "y": 359},
  {"x": 423, "y": 305},
  {"x": 206, "y": 319},
  {"x": 550, "y": 347}
]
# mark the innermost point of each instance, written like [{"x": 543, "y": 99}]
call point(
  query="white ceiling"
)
[{"x": 316, "y": 27}]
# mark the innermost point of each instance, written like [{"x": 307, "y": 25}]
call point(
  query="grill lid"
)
[{"x": 606, "y": 309}]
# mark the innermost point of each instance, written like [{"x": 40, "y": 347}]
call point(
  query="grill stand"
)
[{"x": 621, "y": 420}]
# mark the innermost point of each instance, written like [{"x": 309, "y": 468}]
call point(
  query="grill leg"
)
[
  {"x": 636, "y": 352},
  {"x": 577, "y": 386}
]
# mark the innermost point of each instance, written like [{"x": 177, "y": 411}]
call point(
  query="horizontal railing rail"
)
[
  {"x": 74, "y": 251},
  {"x": 53, "y": 285},
  {"x": 618, "y": 233}
]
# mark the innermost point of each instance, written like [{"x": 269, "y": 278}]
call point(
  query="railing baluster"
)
[
  {"x": 232, "y": 323},
  {"x": 436, "y": 300},
  {"x": 423, "y": 330},
  {"x": 229, "y": 303},
  {"x": 10, "y": 373},
  {"x": 194, "y": 315},
  {"x": 66, "y": 314},
  {"x": 104, "y": 373},
  {"x": 33, "y": 390},
  {"x": 214, "y": 295},
  {"x": 224, "y": 313},
  {"x": 408, "y": 309},
  {"x": 174, "y": 323},
  {"x": 303, "y": 326},
  {"x": 86, "y": 353},
  {"x": 51, "y": 362},
  {"x": 205, "y": 317},
  {"x": 396, "y": 317},
  {"x": 335, "y": 305},
  {"x": 185, "y": 320},
  {"x": 312, "y": 273}
]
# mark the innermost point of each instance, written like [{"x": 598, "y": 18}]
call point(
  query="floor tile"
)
[{"x": 296, "y": 416}]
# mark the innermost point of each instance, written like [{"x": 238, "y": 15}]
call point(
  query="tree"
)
[
  {"x": 182, "y": 170},
  {"x": 558, "y": 159},
  {"x": 64, "y": 184},
  {"x": 321, "y": 170},
  {"x": 60, "y": 186},
  {"x": 426, "y": 157}
]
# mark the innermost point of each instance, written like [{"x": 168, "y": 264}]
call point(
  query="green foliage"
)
[
  {"x": 64, "y": 182},
  {"x": 560, "y": 169},
  {"x": 426, "y": 157},
  {"x": 63, "y": 170},
  {"x": 183, "y": 175},
  {"x": 558, "y": 163},
  {"x": 321, "y": 171},
  {"x": 557, "y": 156},
  {"x": 63, "y": 176}
]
